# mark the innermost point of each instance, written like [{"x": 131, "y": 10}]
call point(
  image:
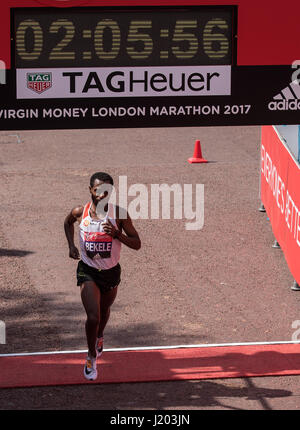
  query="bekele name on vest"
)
[{"x": 97, "y": 243}]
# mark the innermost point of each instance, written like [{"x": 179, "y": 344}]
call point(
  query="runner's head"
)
[
  {"x": 96, "y": 180},
  {"x": 101, "y": 177}
]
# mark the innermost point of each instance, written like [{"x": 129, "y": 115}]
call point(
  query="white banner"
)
[{"x": 102, "y": 82}]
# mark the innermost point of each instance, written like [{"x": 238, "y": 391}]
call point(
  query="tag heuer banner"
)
[{"x": 173, "y": 96}]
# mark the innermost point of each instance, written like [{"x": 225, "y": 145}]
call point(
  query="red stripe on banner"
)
[
  {"x": 271, "y": 27},
  {"x": 152, "y": 365},
  {"x": 280, "y": 194}
]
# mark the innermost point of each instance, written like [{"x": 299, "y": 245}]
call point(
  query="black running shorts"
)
[{"x": 106, "y": 280}]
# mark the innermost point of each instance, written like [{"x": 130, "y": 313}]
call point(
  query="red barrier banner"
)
[{"x": 280, "y": 194}]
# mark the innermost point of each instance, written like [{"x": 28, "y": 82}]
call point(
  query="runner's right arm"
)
[{"x": 74, "y": 215}]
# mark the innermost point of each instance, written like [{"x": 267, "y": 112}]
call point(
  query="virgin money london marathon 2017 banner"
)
[{"x": 122, "y": 97}]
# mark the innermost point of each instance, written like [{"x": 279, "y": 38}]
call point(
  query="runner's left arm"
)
[{"x": 130, "y": 239}]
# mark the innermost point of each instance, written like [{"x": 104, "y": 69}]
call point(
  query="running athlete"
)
[{"x": 98, "y": 271}]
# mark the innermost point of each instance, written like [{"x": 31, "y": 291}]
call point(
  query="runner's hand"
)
[
  {"x": 109, "y": 228},
  {"x": 74, "y": 253}
]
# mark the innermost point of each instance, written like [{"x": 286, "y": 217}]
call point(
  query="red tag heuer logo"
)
[{"x": 39, "y": 82}]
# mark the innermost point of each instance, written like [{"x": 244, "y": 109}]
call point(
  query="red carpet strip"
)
[{"x": 152, "y": 365}]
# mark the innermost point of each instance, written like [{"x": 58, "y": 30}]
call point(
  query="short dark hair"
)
[{"x": 101, "y": 176}]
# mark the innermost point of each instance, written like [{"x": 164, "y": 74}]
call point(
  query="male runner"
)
[{"x": 98, "y": 271}]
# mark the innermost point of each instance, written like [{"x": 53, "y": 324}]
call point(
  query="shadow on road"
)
[
  {"x": 175, "y": 395},
  {"x": 5, "y": 252}
]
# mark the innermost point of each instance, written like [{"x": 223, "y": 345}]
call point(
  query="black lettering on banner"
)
[
  {"x": 209, "y": 77},
  {"x": 93, "y": 76},
  {"x": 182, "y": 85},
  {"x": 195, "y": 77},
  {"x": 121, "y": 84},
  {"x": 72, "y": 76},
  {"x": 138, "y": 81},
  {"x": 158, "y": 78}
]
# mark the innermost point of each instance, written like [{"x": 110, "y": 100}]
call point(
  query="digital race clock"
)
[{"x": 85, "y": 37}]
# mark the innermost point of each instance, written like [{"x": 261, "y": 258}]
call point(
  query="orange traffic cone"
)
[{"x": 197, "y": 157}]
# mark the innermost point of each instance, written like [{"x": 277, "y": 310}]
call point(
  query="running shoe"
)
[
  {"x": 90, "y": 369},
  {"x": 99, "y": 346}
]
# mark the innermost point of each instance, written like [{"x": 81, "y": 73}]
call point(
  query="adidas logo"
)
[{"x": 287, "y": 99}]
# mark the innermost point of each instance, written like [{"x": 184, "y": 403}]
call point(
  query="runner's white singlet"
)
[{"x": 98, "y": 249}]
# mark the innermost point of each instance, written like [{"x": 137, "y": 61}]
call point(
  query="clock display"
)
[{"x": 99, "y": 37}]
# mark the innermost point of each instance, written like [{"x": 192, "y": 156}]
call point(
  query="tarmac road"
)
[{"x": 224, "y": 283}]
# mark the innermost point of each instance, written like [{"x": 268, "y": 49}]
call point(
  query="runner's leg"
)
[
  {"x": 90, "y": 296},
  {"x": 106, "y": 301}
]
